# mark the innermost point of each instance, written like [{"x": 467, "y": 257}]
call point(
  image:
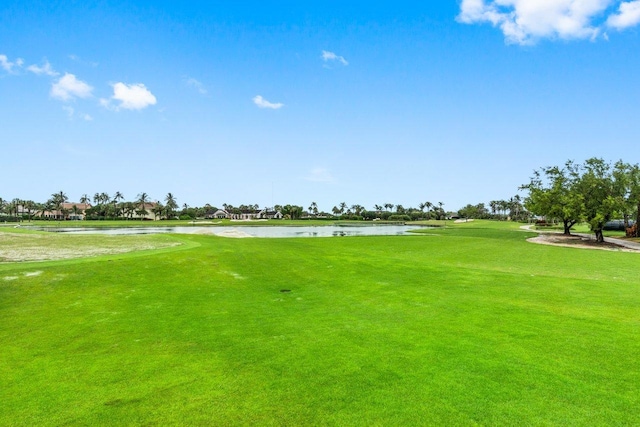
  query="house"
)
[
  {"x": 209, "y": 211},
  {"x": 22, "y": 210},
  {"x": 247, "y": 214},
  {"x": 270, "y": 214},
  {"x": 149, "y": 214},
  {"x": 67, "y": 211},
  {"x": 76, "y": 211},
  {"x": 219, "y": 214}
]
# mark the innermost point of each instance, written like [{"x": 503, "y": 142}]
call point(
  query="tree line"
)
[
  {"x": 512, "y": 209},
  {"x": 102, "y": 206}
]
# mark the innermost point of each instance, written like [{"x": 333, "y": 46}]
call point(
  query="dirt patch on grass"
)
[
  {"x": 573, "y": 241},
  {"x": 15, "y": 247},
  {"x": 236, "y": 234}
]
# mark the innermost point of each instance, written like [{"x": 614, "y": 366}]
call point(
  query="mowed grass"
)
[{"x": 457, "y": 326}]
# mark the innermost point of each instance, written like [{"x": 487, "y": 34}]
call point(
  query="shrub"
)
[{"x": 399, "y": 218}]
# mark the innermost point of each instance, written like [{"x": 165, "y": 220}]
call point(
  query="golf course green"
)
[{"x": 463, "y": 325}]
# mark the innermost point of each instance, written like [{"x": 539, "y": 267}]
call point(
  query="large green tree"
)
[
  {"x": 553, "y": 194},
  {"x": 630, "y": 174},
  {"x": 602, "y": 188},
  {"x": 292, "y": 211},
  {"x": 474, "y": 211}
]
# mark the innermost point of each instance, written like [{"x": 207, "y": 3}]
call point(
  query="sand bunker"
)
[{"x": 236, "y": 234}]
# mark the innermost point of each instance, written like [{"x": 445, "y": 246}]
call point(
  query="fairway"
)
[{"x": 467, "y": 325}]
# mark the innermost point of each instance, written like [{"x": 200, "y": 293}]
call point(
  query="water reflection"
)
[{"x": 251, "y": 231}]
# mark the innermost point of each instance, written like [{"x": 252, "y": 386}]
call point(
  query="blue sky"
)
[{"x": 294, "y": 102}]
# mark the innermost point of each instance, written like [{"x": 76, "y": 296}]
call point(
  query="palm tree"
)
[
  {"x": 503, "y": 206},
  {"x": 97, "y": 198},
  {"x": 143, "y": 199},
  {"x": 28, "y": 206},
  {"x": 343, "y": 206},
  {"x": 493, "y": 204},
  {"x": 46, "y": 207},
  {"x": 129, "y": 209},
  {"x": 440, "y": 210},
  {"x": 516, "y": 206},
  {"x": 357, "y": 209},
  {"x": 313, "y": 208},
  {"x": 171, "y": 205},
  {"x": 157, "y": 210},
  {"x": 57, "y": 200},
  {"x": 64, "y": 212},
  {"x": 85, "y": 199},
  {"x": 13, "y": 207},
  {"x": 41, "y": 208},
  {"x": 117, "y": 197},
  {"x": 117, "y": 211},
  {"x": 428, "y": 206},
  {"x": 388, "y": 206}
]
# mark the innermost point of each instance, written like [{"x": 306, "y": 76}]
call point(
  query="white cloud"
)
[
  {"x": 628, "y": 15},
  {"x": 131, "y": 97},
  {"x": 527, "y": 21},
  {"x": 332, "y": 57},
  {"x": 191, "y": 82},
  {"x": 69, "y": 87},
  {"x": 45, "y": 69},
  {"x": 319, "y": 175},
  {"x": 9, "y": 66},
  {"x": 263, "y": 103},
  {"x": 71, "y": 114}
]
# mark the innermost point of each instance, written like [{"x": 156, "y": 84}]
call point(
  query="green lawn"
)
[{"x": 463, "y": 325}]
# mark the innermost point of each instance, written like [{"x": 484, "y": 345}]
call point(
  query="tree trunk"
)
[
  {"x": 599, "y": 236},
  {"x": 637, "y": 220},
  {"x": 567, "y": 226}
]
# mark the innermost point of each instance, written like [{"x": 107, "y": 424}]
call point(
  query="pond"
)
[{"x": 251, "y": 231}]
